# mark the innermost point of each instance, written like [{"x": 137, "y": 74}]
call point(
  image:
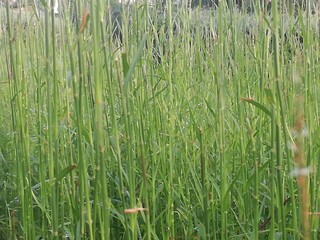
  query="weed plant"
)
[{"x": 194, "y": 124}]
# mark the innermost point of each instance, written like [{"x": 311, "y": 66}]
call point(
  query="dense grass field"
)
[{"x": 200, "y": 124}]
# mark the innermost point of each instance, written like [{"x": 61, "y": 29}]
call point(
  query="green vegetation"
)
[{"x": 197, "y": 127}]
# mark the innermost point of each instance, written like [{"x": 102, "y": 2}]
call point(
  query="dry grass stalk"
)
[{"x": 302, "y": 171}]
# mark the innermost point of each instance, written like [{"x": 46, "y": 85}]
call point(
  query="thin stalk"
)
[
  {"x": 53, "y": 124},
  {"x": 272, "y": 175},
  {"x": 101, "y": 191},
  {"x": 204, "y": 182},
  {"x": 220, "y": 89},
  {"x": 277, "y": 73},
  {"x": 171, "y": 120},
  {"x": 112, "y": 97},
  {"x": 275, "y": 131}
]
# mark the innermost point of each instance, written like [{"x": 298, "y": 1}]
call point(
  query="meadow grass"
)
[{"x": 201, "y": 124}]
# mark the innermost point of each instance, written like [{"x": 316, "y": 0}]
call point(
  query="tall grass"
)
[{"x": 184, "y": 130}]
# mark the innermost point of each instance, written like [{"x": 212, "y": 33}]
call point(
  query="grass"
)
[{"x": 195, "y": 128}]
